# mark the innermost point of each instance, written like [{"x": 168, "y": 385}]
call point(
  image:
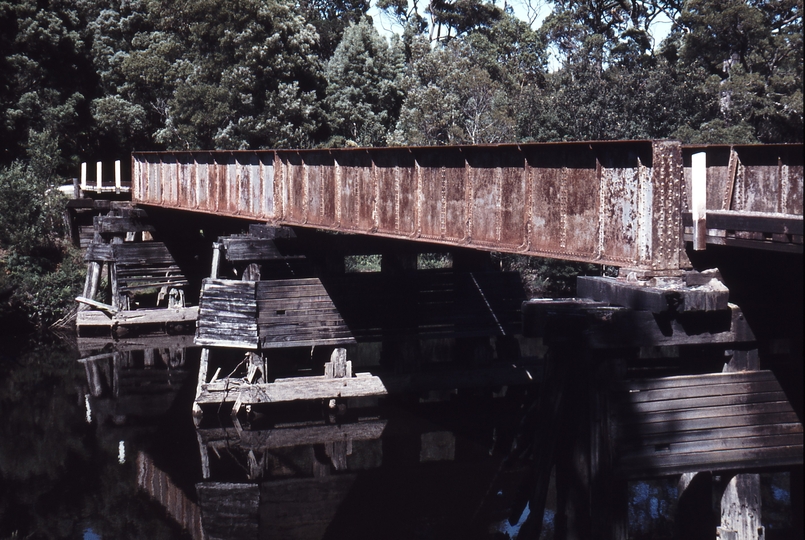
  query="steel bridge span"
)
[{"x": 621, "y": 203}]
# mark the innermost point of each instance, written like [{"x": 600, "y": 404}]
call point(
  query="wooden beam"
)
[
  {"x": 658, "y": 296},
  {"x": 366, "y": 384},
  {"x": 616, "y": 327},
  {"x": 741, "y": 509},
  {"x": 203, "y": 366},
  {"x": 298, "y": 389},
  {"x": 292, "y": 436},
  {"x": 106, "y": 308},
  {"x": 763, "y": 222},
  {"x": 138, "y": 316}
]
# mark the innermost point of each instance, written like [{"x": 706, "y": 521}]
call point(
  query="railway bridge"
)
[{"x": 690, "y": 361}]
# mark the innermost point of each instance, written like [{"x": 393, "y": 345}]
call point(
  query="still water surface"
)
[{"x": 107, "y": 449}]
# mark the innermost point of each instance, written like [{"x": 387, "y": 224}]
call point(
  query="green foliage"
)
[
  {"x": 41, "y": 273},
  {"x": 362, "y": 263},
  {"x": 754, "y": 55},
  {"x": 330, "y": 18},
  {"x": 451, "y": 99},
  {"x": 461, "y": 16},
  {"x": 107, "y": 76},
  {"x": 547, "y": 277},
  {"x": 363, "y": 85},
  {"x": 46, "y": 75},
  {"x": 45, "y": 285},
  {"x": 30, "y": 209}
]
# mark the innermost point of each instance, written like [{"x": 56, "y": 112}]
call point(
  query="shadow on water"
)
[{"x": 106, "y": 448}]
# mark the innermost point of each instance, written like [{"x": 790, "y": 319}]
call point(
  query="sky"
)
[{"x": 386, "y": 26}]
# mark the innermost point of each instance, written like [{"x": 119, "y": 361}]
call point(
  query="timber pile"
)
[
  {"x": 268, "y": 314},
  {"x": 711, "y": 422},
  {"x": 227, "y": 314},
  {"x": 264, "y": 311},
  {"x": 139, "y": 273},
  {"x": 363, "y": 307},
  {"x": 80, "y": 215}
]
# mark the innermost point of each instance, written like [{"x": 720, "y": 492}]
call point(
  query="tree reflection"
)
[{"x": 57, "y": 479}]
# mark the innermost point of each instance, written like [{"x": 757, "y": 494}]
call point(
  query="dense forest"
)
[{"x": 96, "y": 79}]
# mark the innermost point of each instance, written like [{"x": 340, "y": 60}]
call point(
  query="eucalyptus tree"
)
[
  {"x": 752, "y": 55},
  {"x": 451, "y": 99},
  {"x": 330, "y": 18},
  {"x": 364, "y": 85}
]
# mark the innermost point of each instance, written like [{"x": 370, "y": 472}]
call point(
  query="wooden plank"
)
[
  {"x": 99, "y": 252},
  {"x": 106, "y": 308},
  {"x": 681, "y": 381},
  {"x": 287, "y": 437},
  {"x": 302, "y": 388},
  {"x": 152, "y": 316},
  {"x": 755, "y": 428},
  {"x": 317, "y": 341},
  {"x": 152, "y": 285},
  {"x": 717, "y": 460},
  {"x": 139, "y": 316},
  {"x": 777, "y": 413},
  {"x": 250, "y": 249},
  {"x": 207, "y": 341},
  {"x": 763, "y": 222},
  {"x": 142, "y": 253},
  {"x": 709, "y": 412},
  {"x": 264, "y": 304},
  {"x": 712, "y": 445},
  {"x": 671, "y": 396},
  {"x": 123, "y": 224},
  {"x": 134, "y": 270},
  {"x": 299, "y": 316},
  {"x": 702, "y": 403}
]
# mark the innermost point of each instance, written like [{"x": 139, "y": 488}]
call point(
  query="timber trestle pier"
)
[{"x": 687, "y": 364}]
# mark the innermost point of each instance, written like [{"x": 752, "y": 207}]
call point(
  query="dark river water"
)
[{"x": 106, "y": 448}]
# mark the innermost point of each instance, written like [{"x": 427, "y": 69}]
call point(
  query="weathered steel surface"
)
[
  {"x": 614, "y": 203},
  {"x": 753, "y": 196},
  {"x": 750, "y": 178}
]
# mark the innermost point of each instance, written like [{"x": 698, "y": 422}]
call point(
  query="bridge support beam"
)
[{"x": 642, "y": 428}]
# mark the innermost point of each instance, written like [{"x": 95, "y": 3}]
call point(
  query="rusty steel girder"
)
[
  {"x": 761, "y": 178},
  {"x": 617, "y": 203}
]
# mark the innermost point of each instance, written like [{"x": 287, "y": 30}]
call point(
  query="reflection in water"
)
[
  {"x": 399, "y": 470},
  {"x": 59, "y": 474},
  {"x": 105, "y": 448}
]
